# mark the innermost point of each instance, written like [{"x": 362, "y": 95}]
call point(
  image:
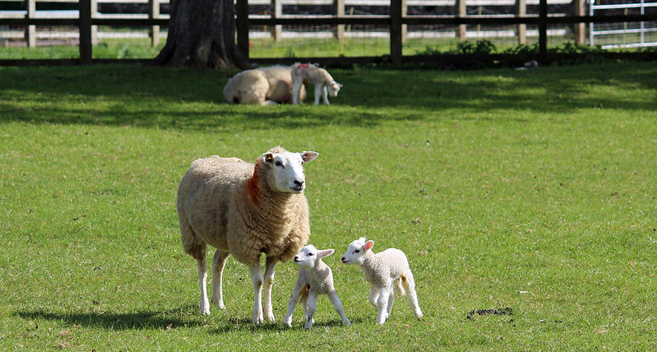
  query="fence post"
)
[
  {"x": 522, "y": 28},
  {"x": 580, "y": 28},
  {"x": 85, "y": 31},
  {"x": 463, "y": 12},
  {"x": 339, "y": 11},
  {"x": 30, "y": 31},
  {"x": 396, "y": 35},
  {"x": 278, "y": 12},
  {"x": 154, "y": 13},
  {"x": 242, "y": 9},
  {"x": 542, "y": 32}
]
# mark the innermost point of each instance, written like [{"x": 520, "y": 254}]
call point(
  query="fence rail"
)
[{"x": 396, "y": 21}]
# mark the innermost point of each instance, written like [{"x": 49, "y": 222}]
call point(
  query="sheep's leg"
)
[
  {"x": 325, "y": 94},
  {"x": 294, "y": 299},
  {"x": 382, "y": 304},
  {"x": 409, "y": 284},
  {"x": 337, "y": 304},
  {"x": 256, "y": 277},
  {"x": 318, "y": 92},
  {"x": 203, "y": 278},
  {"x": 312, "y": 307},
  {"x": 269, "y": 282},
  {"x": 218, "y": 264},
  {"x": 374, "y": 295}
]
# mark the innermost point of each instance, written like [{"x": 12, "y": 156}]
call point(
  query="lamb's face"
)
[
  {"x": 334, "y": 88},
  {"x": 356, "y": 252},
  {"x": 309, "y": 255},
  {"x": 287, "y": 170}
]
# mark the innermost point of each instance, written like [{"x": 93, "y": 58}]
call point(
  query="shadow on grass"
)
[
  {"x": 186, "y": 99},
  {"x": 245, "y": 324},
  {"x": 114, "y": 321}
]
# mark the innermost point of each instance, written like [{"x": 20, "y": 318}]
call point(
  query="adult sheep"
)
[
  {"x": 244, "y": 210},
  {"x": 263, "y": 86}
]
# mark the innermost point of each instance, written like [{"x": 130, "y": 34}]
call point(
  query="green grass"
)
[{"x": 533, "y": 190}]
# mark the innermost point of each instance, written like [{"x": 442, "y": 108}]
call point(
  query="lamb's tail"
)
[{"x": 401, "y": 284}]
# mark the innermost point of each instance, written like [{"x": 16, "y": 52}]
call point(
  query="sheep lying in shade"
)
[
  {"x": 315, "y": 278},
  {"x": 380, "y": 270},
  {"x": 244, "y": 210},
  {"x": 263, "y": 86}
]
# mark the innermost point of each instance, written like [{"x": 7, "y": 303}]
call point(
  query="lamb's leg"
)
[
  {"x": 294, "y": 299},
  {"x": 409, "y": 284},
  {"x": 382, "y": 304},
  {"x": 218, "y": 264},
  {"x": 325, "y": 94},
  {"x": 337, "y": 304},
  {"x": 296, "y": 90},
  {"x": 318, "y": 92},
  {"x": 374, "y": 295},
  {"x": 203, "y": 278},
  {"x": 312, "y": 307},
  {"x": 269, "y": 282},
  {"x": 391, "y": 300},
  {"x": 256, "y": 277}
]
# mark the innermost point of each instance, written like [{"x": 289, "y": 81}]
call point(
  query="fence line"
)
[{"x": 396, "y": 21}]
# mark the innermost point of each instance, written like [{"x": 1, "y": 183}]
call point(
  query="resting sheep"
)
[
  {"x": 244, "y": 210},
  {"x": 380, "y": 271},
  {"x": 315, "y": 278},
  {"x": 312, "y": 74},
  {"x": 263, "y": 86}
]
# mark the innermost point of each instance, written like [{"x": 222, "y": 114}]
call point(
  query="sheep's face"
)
[
  {"x": 309, "y": 256},
  {"x": 356, "y": 251},
  {"x": 334, "y": 88},
  {"x": 287, "y": 170}
]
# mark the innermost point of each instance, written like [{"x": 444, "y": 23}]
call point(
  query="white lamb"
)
[
  {"x": 244, "y": 210},
  {"x": 263, "y": 86},
  {"x": 381, "y": 270},
  {"x": 312, "y": 74},
  {"x": 315, "y": 278}
]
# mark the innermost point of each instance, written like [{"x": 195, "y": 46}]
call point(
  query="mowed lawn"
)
[{"x": 531, "y": 194}]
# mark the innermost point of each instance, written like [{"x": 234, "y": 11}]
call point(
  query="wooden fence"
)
[{"x": 396, "y": 22}]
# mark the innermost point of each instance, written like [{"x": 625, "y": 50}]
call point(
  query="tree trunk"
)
[{"x": 201, "y": 35}]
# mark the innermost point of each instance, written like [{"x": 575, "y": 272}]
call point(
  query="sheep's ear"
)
[
  {"x": 369, "y": 244},
  {"x": 268, "y": 157},
  {"x": 325, "y": 253},
  {"x": 308, "y": 156}
]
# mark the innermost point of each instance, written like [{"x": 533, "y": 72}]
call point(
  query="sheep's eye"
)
[
  {"x": 311, "y": 254},
  {"x": 278, "y": 163},
  {"x": 357, "y": 251}
]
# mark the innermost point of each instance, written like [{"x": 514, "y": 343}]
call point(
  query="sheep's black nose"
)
[{"x": 298, "y": 183}]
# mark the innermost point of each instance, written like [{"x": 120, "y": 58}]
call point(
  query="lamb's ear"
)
[
  {"x": 368, "y": 245},
  {"x": 325, "y": 253},
  {"x": 308, "y": 156}
]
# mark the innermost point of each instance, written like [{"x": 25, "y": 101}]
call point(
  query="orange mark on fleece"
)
[{"x": 252, "y": 187}]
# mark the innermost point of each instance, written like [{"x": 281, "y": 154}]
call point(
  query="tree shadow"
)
[
  {"x": 117, "y": 321},
  {"x": 185, "y": 99}
]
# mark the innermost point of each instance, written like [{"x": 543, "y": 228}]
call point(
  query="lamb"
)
[
  {"x": 315, "y": 278},
  {"x": 311, "y": 73},
  {"x": 244, "y": 210},
  {"x": 263, "y": 86},
  {"x": 380, "y": 270}
]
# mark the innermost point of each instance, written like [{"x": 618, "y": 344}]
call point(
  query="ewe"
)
[
  {"x": 381, "y": 270},
  {"x": 263, "y": 86},
  {"x": 315, "y": 278},
  {"x": 244, "y": 210}
]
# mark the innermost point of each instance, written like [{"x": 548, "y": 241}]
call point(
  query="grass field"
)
[{"x": 530, "y": 190}]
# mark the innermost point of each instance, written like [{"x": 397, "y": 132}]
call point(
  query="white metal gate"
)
[{"x": 623, "y": 35}]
